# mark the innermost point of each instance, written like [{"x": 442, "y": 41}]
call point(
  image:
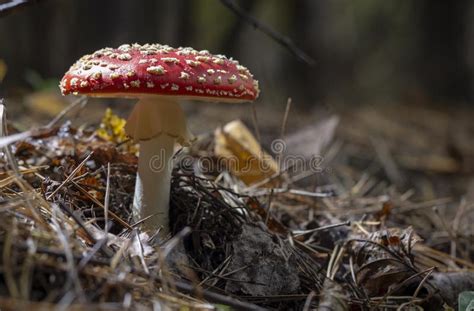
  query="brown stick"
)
[{"x": 279, "y": 38}]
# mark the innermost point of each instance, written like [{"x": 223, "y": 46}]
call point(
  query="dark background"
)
[{"x": 366, "y": 52}]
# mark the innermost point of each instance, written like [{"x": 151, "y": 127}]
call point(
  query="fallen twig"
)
[{"x": 279, "y": 38}]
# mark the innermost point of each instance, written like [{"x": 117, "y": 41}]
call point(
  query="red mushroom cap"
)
[{"x": 136, "y": 70}]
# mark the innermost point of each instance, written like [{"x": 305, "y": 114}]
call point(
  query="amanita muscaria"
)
[{"x": 159, "y": 76}]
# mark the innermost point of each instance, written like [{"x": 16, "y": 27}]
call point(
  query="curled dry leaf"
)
[
  {"x": 384, "y": 259},
  {"x": 311, "y": 140},
  {"x": 242, "y": 154}
]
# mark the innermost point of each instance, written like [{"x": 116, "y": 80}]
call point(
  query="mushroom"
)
[{"x": 159, "y": 76}]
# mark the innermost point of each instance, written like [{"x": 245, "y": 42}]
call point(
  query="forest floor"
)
[{"x": 381, "y": 220}]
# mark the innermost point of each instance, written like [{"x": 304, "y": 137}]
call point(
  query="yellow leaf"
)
[
  {"x": 242, "y": 154},
  {"x": 112, "y": 128}
]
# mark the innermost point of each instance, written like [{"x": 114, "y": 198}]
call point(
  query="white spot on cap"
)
[
  {"x": 84, "y": 84},
  {"x": 96, "y": 75},
  {"x": 164, "y": 85},
  {"x": 126, "y": 86},
  {"x": 114, "y": 75},
  {"x": 201, "y": 80},
  {"x": 143, "y": 61},
  {"x": 131, "y": 73},
  {"x": 124, "y": 47},
  {"x": 232, "y": 79},
  {"x": 172, "y": 60},
  {"x": 125, "y": 56},
  {"x": 150, "y": 84},
  {"x": 184, "y": 75},
  {"x": 255, "y": 85},
  {"x": 135, "y": 83},
  {"x": 189, "y": 88},
  {"x": 211, "y": 71},
  {"x": 73, "y": 82},
  {"x": 242, "y": 69},
  {"x": 204, "y": 59},
  {"x": 244, "y": 77},
  {"x": 149, "y": 52},
  {"x": 218, "y": 80},
  {"x": 192, "y": 63},
  {"x": 174, "y": 87},
  {"x": 113, "y": 67},
  {"x": 156, "y": 70},
  {"x": 218, "y": 61}
]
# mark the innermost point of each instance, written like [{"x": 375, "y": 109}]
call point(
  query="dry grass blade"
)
[
  {"x": 70, "y": 177},
  {"x": 109, "y": 212},
  {"x": 107, "y": 201},
  {"x": 81, "y": 102},
  {"x": 303, "y": 232}
]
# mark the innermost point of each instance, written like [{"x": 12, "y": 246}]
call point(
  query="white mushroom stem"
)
[
  {"x": 152, "y": 187},
  {"x": 157, "y": 123}
]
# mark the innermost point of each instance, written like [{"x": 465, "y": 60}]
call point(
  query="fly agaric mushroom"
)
[{"x": 159, "y": 76}]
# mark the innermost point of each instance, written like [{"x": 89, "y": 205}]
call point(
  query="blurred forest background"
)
[
  {"x": 399, "y": 71},
  {"x": 364, "y": 51}
]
